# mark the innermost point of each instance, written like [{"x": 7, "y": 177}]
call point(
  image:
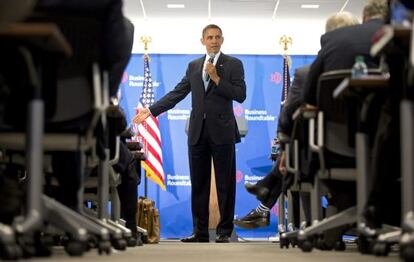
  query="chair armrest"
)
[
  {"x": 283, "y": 138},
  {"x": 139, "y": 155},
  {"x": 116, "y": 157},
  {"x": 134, "y": 145},
  {"x": 305, "y": 111}
]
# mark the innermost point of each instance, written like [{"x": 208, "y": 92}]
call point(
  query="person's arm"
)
[
  {"x": 233, "y": 88},
  {"x": 282, "y": 163},
  {"x": 311, "y": 83},
  {"x": 167, "y": 102},
  {"x": 293, "y": 101}
]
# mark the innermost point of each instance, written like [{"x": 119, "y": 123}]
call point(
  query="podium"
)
[{"x": 214, "y": 212}]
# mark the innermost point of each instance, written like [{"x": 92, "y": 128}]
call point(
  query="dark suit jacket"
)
[
  {"x": 293, "y": 101},
  {"x": 214, "y": 106},
  {"x": 118, "y": 32},
  {"x": 338, "y": 51}
]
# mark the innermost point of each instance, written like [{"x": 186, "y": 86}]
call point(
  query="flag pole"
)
[
  {"x": 145, "y": 40},
  {"x": 284, "y": 42}
]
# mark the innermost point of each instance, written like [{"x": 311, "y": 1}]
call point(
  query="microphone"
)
[{"x": 210, "y": 60}]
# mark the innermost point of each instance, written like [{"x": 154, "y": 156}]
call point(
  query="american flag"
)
[
  {"x": 286, "y": 78},
  {"x": 149, "y": 132}
]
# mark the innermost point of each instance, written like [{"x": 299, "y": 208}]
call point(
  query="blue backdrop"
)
[{"x": 263, "y": 75}]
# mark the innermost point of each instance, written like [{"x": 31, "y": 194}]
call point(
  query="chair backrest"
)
[
  {"x": 73, "y": 84},
  {"x": 339, "y": 113},
  {"x": 14, "y": 10},
  {"x": 335, "y": 112}
]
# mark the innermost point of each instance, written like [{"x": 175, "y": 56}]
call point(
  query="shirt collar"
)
[{"x": 215, "y": 58}]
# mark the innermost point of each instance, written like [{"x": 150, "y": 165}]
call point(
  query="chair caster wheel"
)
[
  {"x": 306, "y": 246},
  {"x": 119, "y": 244},
  {"x": 364, "y": 245},
  {"x": 10, "y": 252},
  {"x": 132, "y": 242},
  {"x": 407, "y": 253},
  {"x": 381, "y": 249},
  {"x": 75, "y": 248},
  {"x": 284, "y": 242},
  {"x": 339, "y": 246},
  {"x": 104, "y": 247}
]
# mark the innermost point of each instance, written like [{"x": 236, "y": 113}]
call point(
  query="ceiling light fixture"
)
[
  {"x": 343, "y": 7},
  {"x": 175, "y": 6},
  {"x": 275, "y": 10},
  {"x": 309, "y": 6},
  {"x": 144, "y": 14},
  {"x": 209, "y": 10}
]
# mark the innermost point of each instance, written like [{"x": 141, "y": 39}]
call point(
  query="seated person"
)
[
  {"x": 117, "y": 46},
  {"x": 339, "y": 49},
  {"x": 273, "y": 184}
]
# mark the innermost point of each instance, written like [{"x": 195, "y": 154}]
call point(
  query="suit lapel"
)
[
  {"x": 199, "y": 69},
  {"x": 219, "y": 68}
]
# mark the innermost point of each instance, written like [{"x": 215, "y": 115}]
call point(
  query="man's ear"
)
[{"x": 202, "y": 41}]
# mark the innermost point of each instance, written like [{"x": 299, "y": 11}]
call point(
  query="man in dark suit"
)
[
  {"x": 340, "y": 47},
  {"x": 268, "y": 189},
  {"x": 215, "y": 81},
  {"x": 338, "y": 51}
]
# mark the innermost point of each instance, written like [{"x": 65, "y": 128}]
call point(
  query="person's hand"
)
[
  {"x": 143, "y": 113},
  {"x": 282, "y": 163},
  {"x": 309, "y": 106},
  {"x": 212, "y": 72}
]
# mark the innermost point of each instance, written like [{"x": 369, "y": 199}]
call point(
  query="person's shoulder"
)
[
  {"x": 230, "y": 59},
  {"x": 196, "y": 61},
  {"x": 303, "y": 69}
]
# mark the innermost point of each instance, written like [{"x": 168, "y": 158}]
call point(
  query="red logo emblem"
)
[
  {"x": 276, "y": 78},
  {"x": 238, "y": 110},
  {"x": 124, "y": 77},
  {"x": 239, "y": 176}
]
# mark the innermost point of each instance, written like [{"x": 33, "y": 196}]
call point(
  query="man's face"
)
[{"x": 212, "y": 40}]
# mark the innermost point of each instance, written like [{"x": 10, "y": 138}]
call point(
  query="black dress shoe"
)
[
  {"x": 254, "y": 219},
  {"x": 194, "y": 238},
  {"x": 260, "y": 192},
  {"x": 222, "y": 239}
]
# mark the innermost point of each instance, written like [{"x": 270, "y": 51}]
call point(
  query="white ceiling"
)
[
  {"x": 249, "y": 9},
  {"x": 248, "y": 24}
]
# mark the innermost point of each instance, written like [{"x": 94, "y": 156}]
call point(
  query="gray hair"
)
[
  {"x": 375, "y": 9},
  {"x": 339, "y": 20}
]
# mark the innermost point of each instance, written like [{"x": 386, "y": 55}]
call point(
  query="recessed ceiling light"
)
[
  {"x": 175, "y": 6},
  {"x": 309, "y": 6}
]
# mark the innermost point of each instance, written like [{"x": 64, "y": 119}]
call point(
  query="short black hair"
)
[{"x": 211, "y": 26}]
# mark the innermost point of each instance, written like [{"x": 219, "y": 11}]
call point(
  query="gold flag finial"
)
[
  {"x": 146, "y": 40},
  {"x": 285, "y": 41}
]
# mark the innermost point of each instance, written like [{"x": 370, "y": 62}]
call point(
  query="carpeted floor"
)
[{"x": 174, "y": 251}]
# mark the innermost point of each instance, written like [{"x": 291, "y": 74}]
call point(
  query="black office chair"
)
[
  {"x": 334, "y": 147},
  {"x": 298, "y": 161},
  {"x": 77, "y": 81}
]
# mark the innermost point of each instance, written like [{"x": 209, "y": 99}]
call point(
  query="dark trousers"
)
[
  {"x": 385, "y": 196},
  {"x": 278, "y": 183},
  {"x": 200, "y": 172},
  {"x": 67, "y": 169},
  {"x": 128, "y": 195},
  {"x": 273, "y": 182},
  {"x": 129, "y": 168}
]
